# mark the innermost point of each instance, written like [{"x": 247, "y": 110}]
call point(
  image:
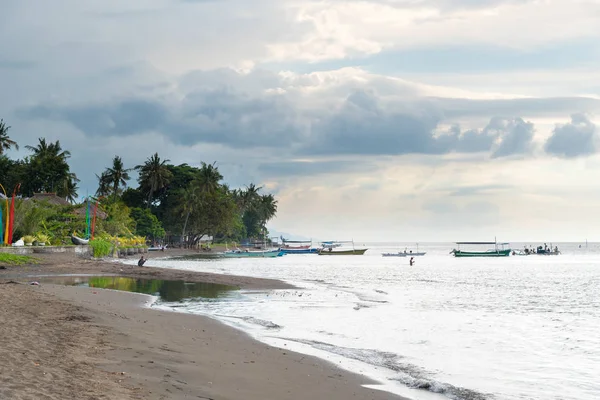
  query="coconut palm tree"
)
[
  {"x": 48, "y": 166},
  {"x": 45, "y": 149},
  {"x": 154, "y": 176},
  {"x": 5, "y": 142},
  {"x": 267, "y": 208},
  {"x": 187, "y": 206},
  {"x": 103, "y": 185},
  {"x": 117, "y": 176},
  {"x": 69, "y": 189},
  {"x": 249, "y": 197},
  {"x": 208, "y": 178}
]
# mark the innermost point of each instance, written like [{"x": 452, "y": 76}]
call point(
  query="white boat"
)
[
  {"x": 79, "y": 241},
  {"x": 405, "y": 253}
]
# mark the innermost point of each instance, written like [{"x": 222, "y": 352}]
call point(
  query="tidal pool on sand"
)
[{"x": 166, "y": 291}]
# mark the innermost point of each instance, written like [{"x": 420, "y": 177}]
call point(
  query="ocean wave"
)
[
  {"x": 254, "y": 321},
  {"x": 409, "y": 375}
]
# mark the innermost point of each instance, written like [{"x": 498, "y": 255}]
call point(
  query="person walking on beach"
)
[{"x": 141, "y": 261}]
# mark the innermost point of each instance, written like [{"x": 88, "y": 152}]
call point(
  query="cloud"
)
[
  {"x": 312, "y": 168},
  {"x": 516, "y": 137},
  {"x": 575, "y": 139},
  {"x": 303, "y": 115},
  {"x": 358, "y": 127}
]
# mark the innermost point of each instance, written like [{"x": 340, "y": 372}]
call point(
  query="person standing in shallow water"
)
[
  {"x": 412, "y": 261},
  {"x": 141, "y": 261}
]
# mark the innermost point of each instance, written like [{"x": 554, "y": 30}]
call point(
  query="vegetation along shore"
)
[{"x": 179, "y": 204}]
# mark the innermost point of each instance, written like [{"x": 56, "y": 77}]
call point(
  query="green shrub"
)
[{"x": 101, "y": 248}]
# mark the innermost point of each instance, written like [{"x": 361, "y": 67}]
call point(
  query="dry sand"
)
[{"x": 84, "y": 343}]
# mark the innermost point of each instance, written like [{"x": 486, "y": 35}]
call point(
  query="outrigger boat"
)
[
  {"x": 79, "y": 241},
  {"x": 405, "y": 253},
  {"x": 302, "y": 247},
  {"x": 332, "y": 250},
  {"x": 254, "y": 253},
  {"x": 539, "y": 251},
  {"x": 495, "y": 252}
]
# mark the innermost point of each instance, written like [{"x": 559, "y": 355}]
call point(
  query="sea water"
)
[{"x": 519, "y": 327}]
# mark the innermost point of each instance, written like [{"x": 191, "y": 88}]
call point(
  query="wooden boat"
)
[
  {"x": 495, "y": 252},
  {"x": 312, "y": 250},
  {"x": 332, "y": 249},
  {"x": 300, "y": 247},
  {"x": 350, "y": 252},
  {"x": 405, "y": 253},
  {"x": 79, "y": 241},
  {"x": 249, "y": 253}
]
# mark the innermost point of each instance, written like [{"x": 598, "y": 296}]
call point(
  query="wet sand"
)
[{"x": 64, "y": 342}]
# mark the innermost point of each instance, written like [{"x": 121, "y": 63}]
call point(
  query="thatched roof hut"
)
[
  {"x": 81, "y": 210},
  {"x": 51, "y": 198}
]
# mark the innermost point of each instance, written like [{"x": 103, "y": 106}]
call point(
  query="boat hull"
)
[
  {"x": 354, "y": 252},
  {"x": 79, "y": 241},
  {"x": 402, "y": 254},
  {"x": 253, "y": 254},
  {"x": 493, "y": 253},
  {"x": 299, "y": 251}
]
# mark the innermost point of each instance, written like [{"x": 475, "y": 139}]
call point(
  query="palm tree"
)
[
  {"x": 267, "y": 208},
  {"x": 187, "y": 206},
  {"x": 208, "y": 178},
  {"x": 43, "y": 149},
  {"x": 249, "y": 197},
  {"x": 48, "y": 166},
  {"x": 103, "y": 185},
  {"x": 117, "y": 175},
  {"x": 154, "y": 175},
  {"x": 69, "y": 189},
  {"x": 5, "y": 142}
]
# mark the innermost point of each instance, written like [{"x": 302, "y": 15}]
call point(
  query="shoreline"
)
[{"x": 140, "y": 352}]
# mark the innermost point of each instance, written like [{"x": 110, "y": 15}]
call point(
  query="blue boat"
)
[
  {"x": 248, "y": 253},
  {"x": 300, "y": 251},
  {"x": 297, "y": 246}
]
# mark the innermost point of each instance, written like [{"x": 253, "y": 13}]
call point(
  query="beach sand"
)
[{"x": 64, "y": 342}]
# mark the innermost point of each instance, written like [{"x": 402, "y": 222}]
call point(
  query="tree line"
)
[{"x": 177, "y": 200}]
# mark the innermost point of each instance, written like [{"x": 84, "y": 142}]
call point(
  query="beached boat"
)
[
  {"x": 253, "y": 253},
  {"x": 79, "y": 241},
  {"x": 499, "y": 250}
]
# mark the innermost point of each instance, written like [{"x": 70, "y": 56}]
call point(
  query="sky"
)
[{"x": 373, "y": 120}]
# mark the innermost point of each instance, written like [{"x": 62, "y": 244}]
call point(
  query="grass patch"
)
[{"x": 15, "y": 259}]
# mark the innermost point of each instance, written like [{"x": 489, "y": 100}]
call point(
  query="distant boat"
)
[
  {"x": 79, "y": 241},
  {"x": 298, "y": 247},
  {"x": 538, "y": 251},
  {"x": 300, "y": 251},
  {"x": 249, "y": 254},
  {"x": 405, "y": 253},
  {"x": 351, "y": 252},
  {"x": 495, "y": 252},
  {"x": 332, "y": 249}
]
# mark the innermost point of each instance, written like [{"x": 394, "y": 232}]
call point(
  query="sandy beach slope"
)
[{"x": 85, "y": 343}]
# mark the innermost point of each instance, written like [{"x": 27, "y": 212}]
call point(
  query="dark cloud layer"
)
[
  {"x": 363, "y": 124},
  {"x": 575, "y": 139}
]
